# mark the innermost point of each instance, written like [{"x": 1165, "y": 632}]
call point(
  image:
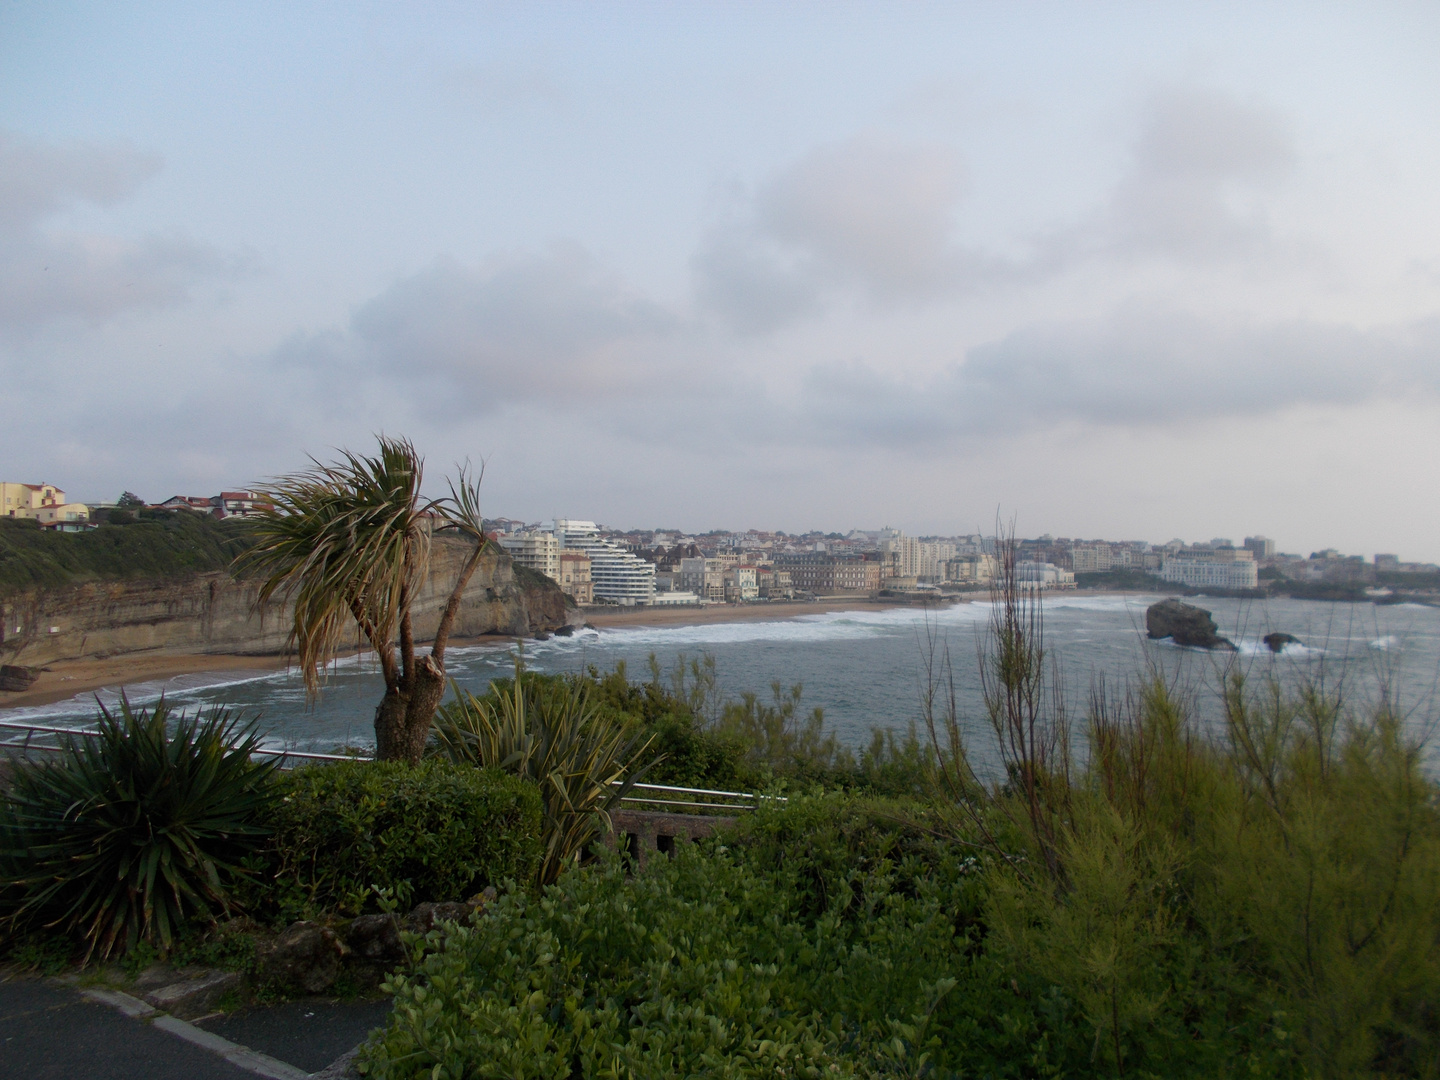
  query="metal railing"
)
[{"x": 664, "y": 796}]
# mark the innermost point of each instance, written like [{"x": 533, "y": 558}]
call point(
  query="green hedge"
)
[{"x": 348, "y": 835}]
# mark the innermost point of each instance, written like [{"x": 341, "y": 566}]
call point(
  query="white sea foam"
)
[{"x": 1386, "y": 643}]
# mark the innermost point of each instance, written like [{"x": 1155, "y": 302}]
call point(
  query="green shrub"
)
[
  {"x": 699, "y": 967},
  {"x": 546, "y": 730},
  {"x": 132, "y": 833},
  {"x": 347, "y": 834}
]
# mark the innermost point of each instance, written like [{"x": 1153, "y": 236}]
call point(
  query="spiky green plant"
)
[
  {"x": 350, "y": 542},
  {"x": 131, "y": 833},
  {"x": 551, "y": 734}
]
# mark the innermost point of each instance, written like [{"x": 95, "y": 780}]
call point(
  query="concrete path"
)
[{"x": 55, "y": 1032}]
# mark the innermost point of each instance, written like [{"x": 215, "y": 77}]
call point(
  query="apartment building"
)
[
  {"x": 539, "y": 551},
  {"x": 970, "y": 569},
  {"x": 617, "y": 576},
  {"x": 575, "y": 581},
  {"x": 822, "y": 573},
  {"x": 741, "y": 585}
]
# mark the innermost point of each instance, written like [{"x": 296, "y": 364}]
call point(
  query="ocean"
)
[{"x": 865, "y": 668}]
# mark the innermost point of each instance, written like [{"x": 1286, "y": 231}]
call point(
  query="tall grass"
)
[{"x": 1295, "y": 852}]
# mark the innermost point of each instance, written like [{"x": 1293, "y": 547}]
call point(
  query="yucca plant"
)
[
  {"x": 549, "y": 732},
  {"x": 134, "y": 831}
]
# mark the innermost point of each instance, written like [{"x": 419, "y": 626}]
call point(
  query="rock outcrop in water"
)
[
  {"x": 214, "y": 613},
  {"x": 1184, "y": 624},
  {"x": 1277, "y": 641}
]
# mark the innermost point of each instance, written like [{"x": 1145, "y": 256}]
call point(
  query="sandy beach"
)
[
  {"x": 64, "y": 679},
  {"x": 607, "y": 617}
]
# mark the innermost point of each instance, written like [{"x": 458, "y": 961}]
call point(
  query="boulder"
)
[
  {"x": 1184, "y": 624},
  {"x": 423, "y": 919},
  {"x": 376, "y": 938},
  {"x": 1277, "y": 642},
  {"x": 305, "y": 957},
  {"x": 15, "y": 678}
]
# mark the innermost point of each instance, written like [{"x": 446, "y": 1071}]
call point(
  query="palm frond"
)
[{"x": 344, "y": 541}]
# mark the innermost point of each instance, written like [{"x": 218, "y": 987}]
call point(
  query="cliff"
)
[{"x": 211, "y": 612}]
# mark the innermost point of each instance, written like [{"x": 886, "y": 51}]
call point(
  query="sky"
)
[{"x": 1132, "y": 271}]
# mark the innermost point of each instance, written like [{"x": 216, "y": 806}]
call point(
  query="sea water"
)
[{"x": 868, "y": 668}]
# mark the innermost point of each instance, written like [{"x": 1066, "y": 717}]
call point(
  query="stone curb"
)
[{"x": 241, "y": 1056}]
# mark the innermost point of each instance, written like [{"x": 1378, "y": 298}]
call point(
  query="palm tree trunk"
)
[{"x": 405, "y": 713}]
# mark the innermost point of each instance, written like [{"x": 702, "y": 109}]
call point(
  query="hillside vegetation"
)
[{"x": 158, "y": 544}]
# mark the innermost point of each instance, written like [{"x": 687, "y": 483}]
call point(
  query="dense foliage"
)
[
  {"x": 160, "y": 543},
  {"x": 548, "y": 732},
  {"x": 350, "y": 835},
  {"x": 130, "y": 834},
  {"x": 1261, "y": 902}
]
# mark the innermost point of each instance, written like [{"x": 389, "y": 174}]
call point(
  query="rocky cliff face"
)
[{"x": 213, "y": 613}]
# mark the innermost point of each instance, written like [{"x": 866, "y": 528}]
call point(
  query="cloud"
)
[
  {"x": 1195, "y": 190},
  {"x": 1140, "y": 367},
  {"x": 869, "y": 214},
  {"x": 554, "y": 327},
  {"x": 48, "y": 275},
  {"x": 878, "y": 217}
]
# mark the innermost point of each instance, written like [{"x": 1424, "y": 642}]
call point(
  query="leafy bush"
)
[
  {"x": 547, "y": 731},
  {"x": 132, "y": 833},
  {"x": 349, "y": 833},
  {"x": 701, "y": 967}
]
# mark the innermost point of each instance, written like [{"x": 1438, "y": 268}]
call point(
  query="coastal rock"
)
[
  {"x": 305, "y": 957},
  {"x": 1277, "y": 642},
  {"x": 15, "y": 677},
  {"x": 1184, "y": 624}
]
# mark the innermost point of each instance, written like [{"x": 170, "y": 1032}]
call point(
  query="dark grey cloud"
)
[{"x": 50, "y": 274}]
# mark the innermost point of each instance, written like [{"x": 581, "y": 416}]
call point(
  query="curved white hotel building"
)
[{"x": 617, "y": 575}]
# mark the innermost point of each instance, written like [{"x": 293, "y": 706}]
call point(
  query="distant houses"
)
[
  {"x": 47, "y": 505},
  {"x": 44, "y": 503}
]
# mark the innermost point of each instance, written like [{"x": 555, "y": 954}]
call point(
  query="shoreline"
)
[
  {"x": 61, "y": 680},
  {"x": 605, "y": 618}
]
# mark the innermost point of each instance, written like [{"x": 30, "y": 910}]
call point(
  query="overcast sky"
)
[{"x": 1119, "y": 270}]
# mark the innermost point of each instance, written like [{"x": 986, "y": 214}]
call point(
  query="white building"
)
[
  {"x": 539, "y": 551},
  {"x": 1042, "y": 575},
  {"x": 616, "y": 575},
  {"x": 932, "y": 557},
  {"x": 1225, "y": 568}
]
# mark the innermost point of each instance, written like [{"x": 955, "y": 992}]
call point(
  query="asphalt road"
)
[{"x": 50, "y": 1032}]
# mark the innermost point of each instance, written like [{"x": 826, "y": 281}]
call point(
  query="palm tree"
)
[{"x": 350, "y": 542}]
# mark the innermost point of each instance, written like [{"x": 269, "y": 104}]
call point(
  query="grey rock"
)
[
  {"x": 1277, "y": 641},
  {"x": 1184, "y": 624},
  {"x": 14, "y": 677},
  {"x": 423, "y": 919},
  {"x": 305, "y": 957},
  {"x": 195, "y": 997},
  {"x": 376, "y": 938}
]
